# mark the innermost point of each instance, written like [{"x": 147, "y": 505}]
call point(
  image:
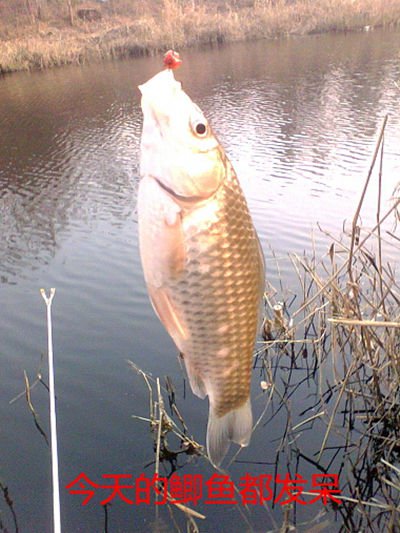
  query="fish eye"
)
[{"x": 200, "y": 128}]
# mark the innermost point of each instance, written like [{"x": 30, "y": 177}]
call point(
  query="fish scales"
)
[
  {"x": 218, "y": 300},
  {"x": 201, "y": 257}
]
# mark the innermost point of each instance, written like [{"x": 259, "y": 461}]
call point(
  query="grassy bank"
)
[{"x": 37, "y": 34}]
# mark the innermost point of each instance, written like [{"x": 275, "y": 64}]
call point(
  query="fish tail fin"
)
[{"x": 235, "y": 426}]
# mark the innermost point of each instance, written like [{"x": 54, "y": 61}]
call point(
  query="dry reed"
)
[{"x": 134, "y": 28}]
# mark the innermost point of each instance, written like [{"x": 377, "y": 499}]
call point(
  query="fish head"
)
[{"x": 178, "y": 147}]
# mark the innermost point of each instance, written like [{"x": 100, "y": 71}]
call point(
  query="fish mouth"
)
[{"x": 181, "y": 197}]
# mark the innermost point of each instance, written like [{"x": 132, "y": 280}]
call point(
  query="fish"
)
[{"x": 201, "y": 257}]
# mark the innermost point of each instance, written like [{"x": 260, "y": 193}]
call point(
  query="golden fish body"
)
[{"x": 201, "y": 257}]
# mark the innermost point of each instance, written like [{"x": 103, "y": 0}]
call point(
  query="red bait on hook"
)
[{"x": 172, "y": 60}]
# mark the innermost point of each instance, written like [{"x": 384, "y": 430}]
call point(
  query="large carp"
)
[{"x": 201, "y": 256}]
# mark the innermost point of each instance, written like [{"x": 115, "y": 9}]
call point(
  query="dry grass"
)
[
  {"x": 29, "y": 40},
  {"x": 341, "y": 344}
]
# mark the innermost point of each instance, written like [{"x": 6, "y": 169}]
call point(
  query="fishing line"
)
[{"x": 53, "y": 419}]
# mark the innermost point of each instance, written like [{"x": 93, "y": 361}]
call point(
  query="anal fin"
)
[{"x": 196, "y": 382}]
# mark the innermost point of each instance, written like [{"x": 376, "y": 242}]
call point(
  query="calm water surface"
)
[{"x": 298, "y": 118}]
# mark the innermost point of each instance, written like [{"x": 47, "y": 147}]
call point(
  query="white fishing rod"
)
[{"x": 53, "y": 418}]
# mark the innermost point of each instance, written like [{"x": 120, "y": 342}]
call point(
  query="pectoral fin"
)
[{"x": 160, "y": 235}]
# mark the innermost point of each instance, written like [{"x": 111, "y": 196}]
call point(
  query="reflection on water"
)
[
  {"x": 298, "y": 118},
  {"x": 66, "y": 157}
]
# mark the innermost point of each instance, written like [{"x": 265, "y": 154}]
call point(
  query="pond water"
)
[{"x": 299, "y": 119}]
